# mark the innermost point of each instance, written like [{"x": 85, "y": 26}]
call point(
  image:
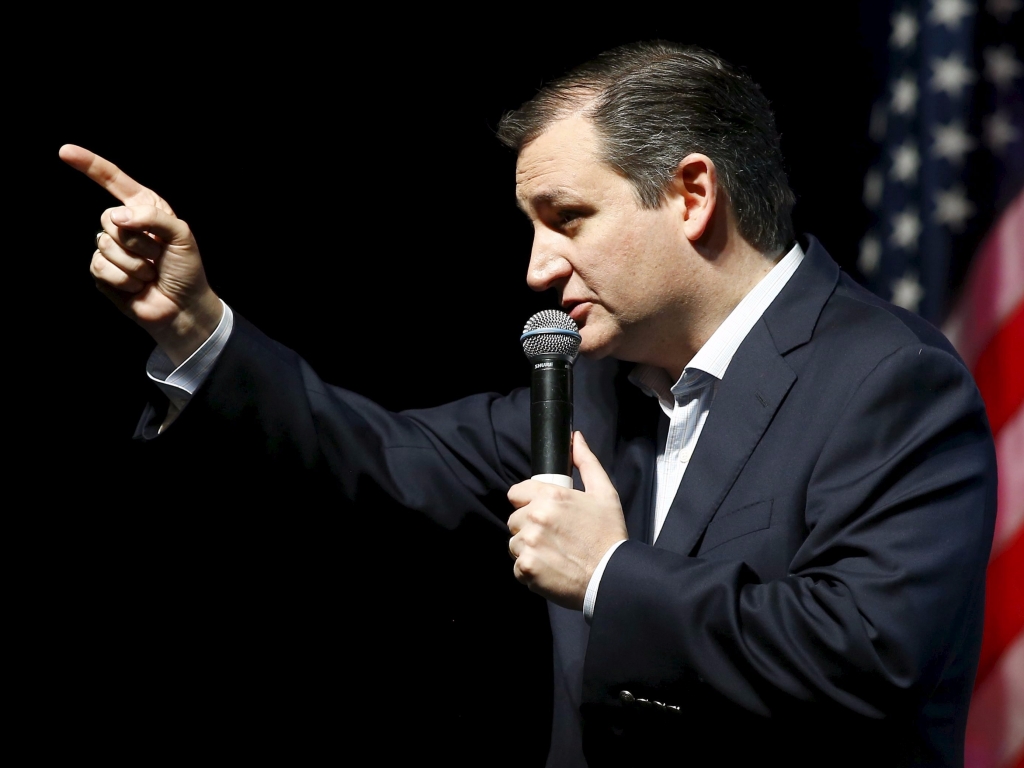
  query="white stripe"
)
[
  {"x": 1010, "y": 462},
  {"x": 994, "y": 288},
  {"x": 561, "y": 480},
  {"x": 995, "y": 725}
]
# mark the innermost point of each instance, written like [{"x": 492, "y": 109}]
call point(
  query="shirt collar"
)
[{"x": 712, "y": 360}]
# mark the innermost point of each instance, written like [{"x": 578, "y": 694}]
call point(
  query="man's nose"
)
[{"x": 548, "y": 268}]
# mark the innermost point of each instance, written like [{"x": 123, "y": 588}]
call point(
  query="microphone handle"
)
[{"x": 551, "y": 420}]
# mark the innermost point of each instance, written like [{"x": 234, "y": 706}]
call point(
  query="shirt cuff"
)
[
  {"x": 595, "y": 582},
  {"x": 179, "y": 384}
]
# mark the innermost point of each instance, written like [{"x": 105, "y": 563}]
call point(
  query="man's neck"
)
[
  {"x": 715, "y": 354},
  {"x": 730, "y": 276}
]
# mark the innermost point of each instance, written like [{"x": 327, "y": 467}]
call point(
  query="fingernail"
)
[{"x": 121, "y": 216}]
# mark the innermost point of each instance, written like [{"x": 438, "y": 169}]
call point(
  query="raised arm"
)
[{"x": 147, "y": 262}]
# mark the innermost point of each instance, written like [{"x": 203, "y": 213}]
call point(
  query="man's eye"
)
[{"x": 567, "y": 217}]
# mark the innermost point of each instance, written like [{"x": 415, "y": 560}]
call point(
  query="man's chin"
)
[
  {"x": 594, "y": 354},
  {"x": 594, "y": 350}
]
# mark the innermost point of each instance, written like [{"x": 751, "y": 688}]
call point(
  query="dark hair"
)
[{"x": 655, "y": 102}]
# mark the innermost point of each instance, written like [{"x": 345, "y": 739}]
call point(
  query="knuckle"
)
[
  {"x": 541, "y": 515},
  {"x": 517, "y": 571},
  {"x": 558, "y": 493},
  {"x": 526, "y": 566}
]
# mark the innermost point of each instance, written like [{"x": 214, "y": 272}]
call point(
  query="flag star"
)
[
  {"x": 1001, "y": 66},
  {"x": 874, "y": 186},
  {"x": 951, "y": 75},
  {"x": 907, "y": 292},
  {"x": 906, "y": 227},
  {"x": 904, "y": 29},
  {"x": 904, "y": 94},
  {"x": 949, "y": 12},
  {"x": 952, "y": 142},
  {"x": 953, "y": 209},
  {"x": 870, "y": 254},
  {"x": 905, "y": 162},
  {"x": 999, "y": 132},
  {"x": 1003, "y": 9}
]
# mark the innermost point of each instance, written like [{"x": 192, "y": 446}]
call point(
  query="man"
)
[{"x": 788, "y": 486}]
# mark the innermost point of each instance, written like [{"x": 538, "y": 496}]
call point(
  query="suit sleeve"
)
[
  {"x": 264, "y": 422},
  {"x": 886, "y": 588}
]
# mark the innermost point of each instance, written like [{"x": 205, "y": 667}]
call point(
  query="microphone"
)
[{"x": 551, "y": 341}]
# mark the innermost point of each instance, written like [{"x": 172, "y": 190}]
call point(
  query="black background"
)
[{"x": 343, "y": 181}]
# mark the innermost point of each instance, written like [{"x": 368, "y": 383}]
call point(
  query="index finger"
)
[
  {"x": 524, "y": 492},
  {"x": 105, "y": 173}
]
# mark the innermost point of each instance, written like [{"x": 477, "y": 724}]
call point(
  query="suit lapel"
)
[{"x": 754, "y": 386}]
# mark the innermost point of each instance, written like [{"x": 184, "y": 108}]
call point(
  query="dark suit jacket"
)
[{"x": 817, "y": 590}]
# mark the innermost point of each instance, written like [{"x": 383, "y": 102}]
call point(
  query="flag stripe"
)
[
  {"x": 1000, "y": 371},
  {"x": 994, "y": 288},
  {"x": 1004, "y": 605},
  {"x": 995, "y": 726},
  {"x": 1010, "y": 461}
]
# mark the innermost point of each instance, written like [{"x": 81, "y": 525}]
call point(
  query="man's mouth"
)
[{"x": 577, "y": 310}]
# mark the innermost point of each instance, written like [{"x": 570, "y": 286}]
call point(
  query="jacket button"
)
[{"x": 626, "y": 697}]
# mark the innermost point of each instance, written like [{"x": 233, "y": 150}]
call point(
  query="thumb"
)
[{"x": 595, "y": 479}]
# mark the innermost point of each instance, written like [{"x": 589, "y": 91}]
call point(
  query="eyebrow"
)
[{"x": 553, "y": 197}]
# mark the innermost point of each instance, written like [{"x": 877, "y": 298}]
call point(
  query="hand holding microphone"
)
[{"x": 559, "y": 535}]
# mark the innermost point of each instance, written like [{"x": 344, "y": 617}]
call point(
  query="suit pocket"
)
[{"x": 738, "y": 522}]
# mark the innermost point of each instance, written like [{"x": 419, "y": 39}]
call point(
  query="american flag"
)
[{"x": 947, "y": 241}]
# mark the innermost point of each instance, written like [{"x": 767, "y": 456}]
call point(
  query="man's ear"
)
[{"x": 696, "y": 184}]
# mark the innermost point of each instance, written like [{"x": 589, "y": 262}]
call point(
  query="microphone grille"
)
[{"x": 551, "y": 332}]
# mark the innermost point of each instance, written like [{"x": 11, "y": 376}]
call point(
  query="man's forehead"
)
[{"x": 551, "y": 167}]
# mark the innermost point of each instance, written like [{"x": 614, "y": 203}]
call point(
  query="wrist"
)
[{"x": 190, "y": 328}]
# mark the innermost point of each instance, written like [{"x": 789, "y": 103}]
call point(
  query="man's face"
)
[{"x": 623, "y": 273}]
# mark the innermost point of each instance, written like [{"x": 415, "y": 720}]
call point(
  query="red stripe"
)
[
  {"x": 1004, "y": 605},
  {"x": 999, "y": 371}
]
